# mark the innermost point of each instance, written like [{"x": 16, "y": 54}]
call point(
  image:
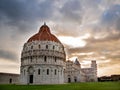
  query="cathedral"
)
[{"x": 43, "y": 61}]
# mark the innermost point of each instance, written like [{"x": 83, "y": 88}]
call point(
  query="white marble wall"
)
[{"x": 34, "y": 54}]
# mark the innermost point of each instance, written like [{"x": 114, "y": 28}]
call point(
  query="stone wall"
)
[{"x": 9, "y": 78}]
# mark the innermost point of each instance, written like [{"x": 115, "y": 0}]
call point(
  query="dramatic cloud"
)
[
  {"x": 111, "y": 17},
  {"x": 8, "y": 55},
  {"x": 89, "y": 29},
  {"x": 72, "y": 10},
  {"x": 22, "y": 12}
]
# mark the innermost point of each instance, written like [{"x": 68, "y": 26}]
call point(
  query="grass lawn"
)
[{"x": 71, "y": 86}]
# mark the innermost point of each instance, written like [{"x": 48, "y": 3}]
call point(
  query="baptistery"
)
[{"x": 42, "y": 59}]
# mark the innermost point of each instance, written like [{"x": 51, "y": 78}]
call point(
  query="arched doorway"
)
[
  {"x": 69, "y": 80},
  {"x": 31, "y": 75}
]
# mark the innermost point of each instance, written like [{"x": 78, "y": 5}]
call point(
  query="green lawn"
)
[{"x": 72, "y": 86}]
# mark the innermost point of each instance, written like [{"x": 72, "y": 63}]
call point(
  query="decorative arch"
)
[{"x": 30, "y": 70}]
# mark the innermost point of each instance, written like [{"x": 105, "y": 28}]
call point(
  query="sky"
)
[{"x": 88, "y": 29}]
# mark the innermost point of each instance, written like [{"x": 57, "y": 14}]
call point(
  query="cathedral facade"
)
[
  {"x": 43, "y": 61},
  {"x": 74, "y": 72}
]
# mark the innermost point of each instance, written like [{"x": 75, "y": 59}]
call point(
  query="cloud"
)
[
  {"x": 107, "y": 69},
  {"x": 21, "y": 13},
  {"x": 72, "y": 11},
  {"x": 111, "y": 17},
  {"x": 97, "y": 20},
  {"x": 107, "y": 47},
  {"x": 9, "y": 66},
  {"x": 8, "y": 55},
  {"x": 26, "y": 9}
]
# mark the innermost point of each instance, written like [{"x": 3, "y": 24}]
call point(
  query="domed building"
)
[{"x": 42, "y": 59}]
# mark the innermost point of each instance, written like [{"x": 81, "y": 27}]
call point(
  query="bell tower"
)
[{"x": 94, "y": 68}]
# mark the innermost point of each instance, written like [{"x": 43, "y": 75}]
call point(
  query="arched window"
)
[
  {"x": 31, "y": 59},
  {"x": 45, "y": 59},
  {"x": 10, "y": 80},
  {"x": 31, "y": 47},
  {"x": 55, "y": 71},
  {"x": 24, "y": 72},
  {"x": 61, "y": 72},
  {"x": 39, "y": 46},
  {"x": 53, "y": 47},
  {"x": 55, "y": 59},
  {"x": 47, "y": 71},
  {"x": 46, "y": 46},
  {"x": 38, "y": 71}
]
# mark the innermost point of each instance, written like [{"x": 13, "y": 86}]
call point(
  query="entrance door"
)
[
  {"x": 10, "y": 80},
  {"x": 69, "y": 80},
  {"x": 31, "y": 79},
  {"x": 75, "y": 79}
]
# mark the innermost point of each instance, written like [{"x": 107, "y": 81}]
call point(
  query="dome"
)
[{"x": 44, "y": 34}]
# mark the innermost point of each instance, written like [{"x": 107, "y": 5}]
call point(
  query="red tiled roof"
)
[{"x": 44, "y": 34}]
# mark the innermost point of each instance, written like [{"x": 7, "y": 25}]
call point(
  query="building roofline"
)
[{"x": 4, "y": 73}]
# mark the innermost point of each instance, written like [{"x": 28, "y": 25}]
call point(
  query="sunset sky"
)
[{"x": 89, "y": 30}]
